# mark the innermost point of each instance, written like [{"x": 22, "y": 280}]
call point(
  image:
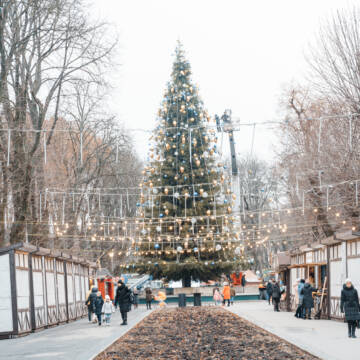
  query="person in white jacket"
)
[{"x": 107, "y": 310}]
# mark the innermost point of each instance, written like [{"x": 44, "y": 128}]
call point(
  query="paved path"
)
[
  {"x": 326, "y": 339},
  {"x": 79, "y": 340}
]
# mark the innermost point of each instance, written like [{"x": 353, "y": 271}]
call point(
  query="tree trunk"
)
[
  {"x": 21, "y": 203},
  {"x": 3, "y": 208},
  {"x": 186, "y": 281}
]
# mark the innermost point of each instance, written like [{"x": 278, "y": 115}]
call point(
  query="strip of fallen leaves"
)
[{"x": 204, "y": 333}]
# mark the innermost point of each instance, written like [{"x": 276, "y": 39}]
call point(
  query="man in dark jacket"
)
[
  {"x": 276, "y": 294},
  {"x": 350, "y": 304},
  {"x": 269, "y": 290},
  {"x": 300, "y": 313},
  {"x": 122, "y": 299},
  {"x": 308, "y": 301}
]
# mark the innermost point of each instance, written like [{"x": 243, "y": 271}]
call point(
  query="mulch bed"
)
[{"x": 200, "y": 333}]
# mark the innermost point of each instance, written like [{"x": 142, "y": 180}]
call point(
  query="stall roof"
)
[
  {"x": 55, "y": 253},
  {"x": 19, "y": 246},
  {"x": 305, "y": 248},
  {"x": 295, "y": 252},
  {"x": 283, "y": 258},
  {"x": 330, "y": 240},
  {"x": 47, "y": 252},
  {"x": 346, "y": 235},
  {"x": 317, "y": 245},
  {"x": 43, "y": 251}
]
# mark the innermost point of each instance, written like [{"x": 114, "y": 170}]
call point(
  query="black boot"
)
[
  {"x": 349, "y": 329},
  {"x": 353, "y": 330}
]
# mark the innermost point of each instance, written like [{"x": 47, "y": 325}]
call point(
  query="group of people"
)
[
  {"x": 227, "y": 295},
  {"x": 304, "y": 298},
  {"x": 274, "y": 291},
  {"x": 349, "y": 304},
  {"x": 100, "y": 311}
]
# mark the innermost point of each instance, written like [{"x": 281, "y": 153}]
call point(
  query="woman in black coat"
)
[
  {"x": 308, "y": 301},
  {"x": 276, "y": 294},
  {"x": 350, "y": 304},
  {"x": 122, "y": 299},
  {"x": 269, "y": 290}
]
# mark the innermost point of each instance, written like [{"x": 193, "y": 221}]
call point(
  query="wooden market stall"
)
[
  {"x": 327, "y": 264},
  {"x": 39, "y": 288},
  {"x": 309, "y": 262},
  {"x": 344, "y": 262},
  {"x": 106, "y": 283},
  {"x": 281, "y": 267}
]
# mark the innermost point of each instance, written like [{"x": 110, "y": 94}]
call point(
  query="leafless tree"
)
[
  {"x": 319, "y": 148},
  {"x": 45, "y": 46},
  {"x": 259, "y": 190},
  {"x": 335, "y": 59}
]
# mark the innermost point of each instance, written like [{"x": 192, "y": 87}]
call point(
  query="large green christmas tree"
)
[{"x": 186, "y": 229}]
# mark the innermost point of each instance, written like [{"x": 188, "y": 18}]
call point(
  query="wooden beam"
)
[
  {"x": 66, "y": 292},
  {"x": 13, "y": 292},
  {"x": 32, "y": 299}
]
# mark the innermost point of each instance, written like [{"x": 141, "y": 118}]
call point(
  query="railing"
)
[{"x": 138, "y": 282}]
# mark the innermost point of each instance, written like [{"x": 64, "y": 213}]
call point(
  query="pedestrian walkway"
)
[
  {"x": 79, "y": 340},
  {"x": 326, "y": 339}
]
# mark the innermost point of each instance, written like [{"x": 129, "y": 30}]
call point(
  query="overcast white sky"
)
[{"x": 242, "y": 53}]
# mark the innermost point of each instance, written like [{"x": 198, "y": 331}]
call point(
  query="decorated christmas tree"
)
[{"x": 186, "y": 228}]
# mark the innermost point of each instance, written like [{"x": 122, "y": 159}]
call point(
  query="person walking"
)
[
  {"x": 226, "y": 293},
  {"x": 91, "y": 304},
  {"x": 232, "y": 295},
  {"x": 299, "y": 298},
  {"x": 98, "y": 306},
  {"x": 107, "y": 310},
  {"x": 136, "y": 297},
  {"x": 217, "y": 296},
  {"x": 122, "y": 299},
  {"x": 269, "y": 290},
  {"x": 276, "y": 294},
  {"x": 350, "y": 305},
  {"x": 88, "y": 302},
  {"x": 148, "y": 298},
  {"x": 308, "y": 301}
]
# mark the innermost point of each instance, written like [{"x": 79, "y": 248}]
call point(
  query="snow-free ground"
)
[
  {"x": 326, "y": 339},
  {"x": 78, "y": 340}
]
